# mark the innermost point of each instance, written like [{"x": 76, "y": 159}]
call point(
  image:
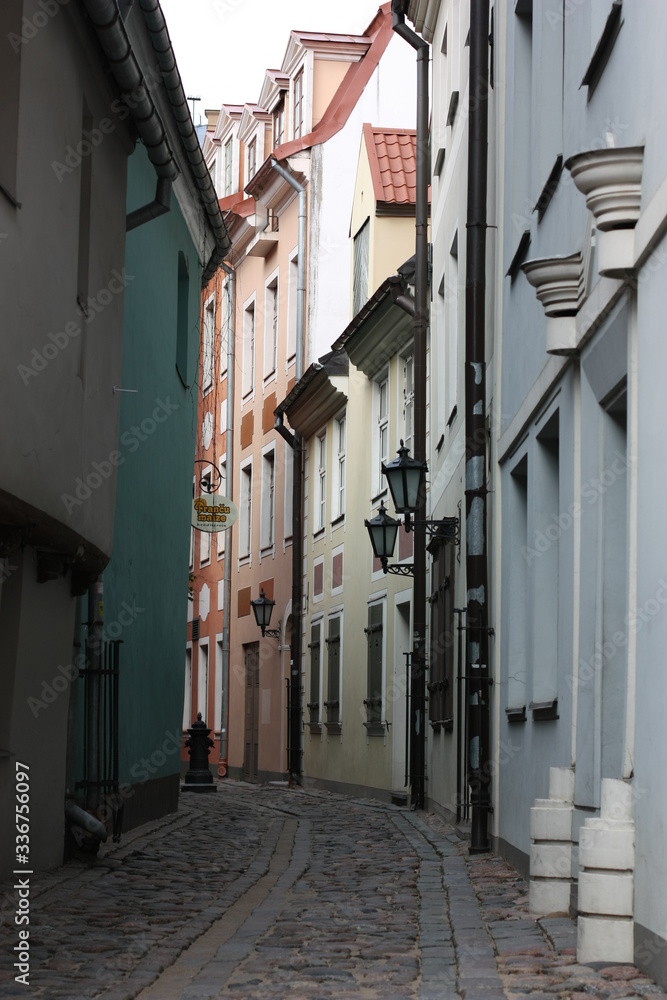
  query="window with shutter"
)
[
  {"x": 314, "y": 703},
  {"x": 361, "y": 249},
  {"x": 442, "y": 639},
  {"x": 332, "y": 704},
  {"x": 373, "y": 701}
]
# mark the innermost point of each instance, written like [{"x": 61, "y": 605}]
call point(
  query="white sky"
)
[{"x": 223, "y": 47}]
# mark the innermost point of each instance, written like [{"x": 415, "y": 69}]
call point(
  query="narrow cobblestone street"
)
[{"x": 263, "y": 891}]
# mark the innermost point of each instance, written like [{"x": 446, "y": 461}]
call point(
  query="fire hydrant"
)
[{"x": 198, "y": 777}]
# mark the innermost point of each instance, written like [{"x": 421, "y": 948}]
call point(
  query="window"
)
[
  {"x": 10, "y": 75},
  {"x": 315, "y": 648},
  {"x": 271, "y": 328},
  {"x": 208, "y": 346},
  {"x": 187, "y": 700},
  {"x": 202, "y": 681},
  {"x": 279, "y": 124},
  {"x": 205, "y": 536},
  {"x": 544, "y": 584},
  {"x": 442, "y": 638},
  {"x": 223, "y": 490},
  {"x": 245, "y": 513},
  {"x": 249, "y": 349},
  {"x": 225, "y": 326},
  {"x": 297, "y": 118},
  {"x": 361, "y": 261},
  {"x": 373, "y": 700},
  {"x": 321, "y": 490},
  {"x": 292, "y": 311},
  {"x": 332, "y": 704},
  {"x": 229, "y": 164},
  {"x": 516, "y": 637},
  {"x": 381, "y": 433},
  {"x": 287, "y": 509},
  {"x": 268, "y": 499},
  {"x": 452, "y": 330},
  {"x": 408, "y": 401},
  {"x": 338, "y": 485},
  {"x": 252, "y": 159}
]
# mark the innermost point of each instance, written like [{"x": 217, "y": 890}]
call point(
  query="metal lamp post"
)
[{"x": 262, "y": 607}]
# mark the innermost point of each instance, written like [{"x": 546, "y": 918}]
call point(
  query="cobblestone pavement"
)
[{"x": 263, "y": 891}]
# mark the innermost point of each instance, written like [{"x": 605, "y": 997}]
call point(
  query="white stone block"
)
[
  {"x": 552, "y": 822},
  {"x": 605, "y": 939},
  {"x": 550, "y": 860},
  {"x": 561, "y": 783},
  {"x": 604, "y": 844},
  {"x": 606, "y": 893},
  {"x": 616, "y": 800},
  {"x": 549, "y": 898}
]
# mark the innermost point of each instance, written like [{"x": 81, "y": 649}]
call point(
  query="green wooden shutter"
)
[
  {"x": 374, "y": 636},
  {"x": 314, "y": 646},
  {"x": 333, "y": 678}
]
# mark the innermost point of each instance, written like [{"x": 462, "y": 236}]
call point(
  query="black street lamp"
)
[
  {"x": 262, "y": 607},
  {"x": 406, "y": 477},
  {"x": 382, "y": 530}
]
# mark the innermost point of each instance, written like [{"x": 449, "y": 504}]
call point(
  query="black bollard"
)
[{"x": 198, "y": 777}]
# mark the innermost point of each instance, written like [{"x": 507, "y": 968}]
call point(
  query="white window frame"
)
[
  {"x": 205, "y": 536},
  {"x": 288, "y": 495},
  {"x": 339, "y": 466},
  {"x": 208, "y": 346},
  {"x": 251, "y": 161},
  {"x": 407, "y": 402},
  {"x": 202, "y": 679},
  {"x": 187, "y": 688},
  {"x": 217, "y": 688},
  {"x": 298, "y": 128},
  {"x": 320, "y": 492},
  {"x": 223, "y": 490},
  {"x": 245, "y": 514},
  {"x": 292, "y": 300},
  {"x": 229, "y": 167},
  {"x": 380, "y": 424},
  {"x": 267, "y": 539},
  {"x": 224, "y": 327},
  {"x": 249, "y": 346},
  {"x": 271, "y": 323}
]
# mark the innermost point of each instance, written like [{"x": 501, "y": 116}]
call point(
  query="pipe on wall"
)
[
  {"x": 418, "y": 662},
  {"x": 229, "y": 486},
  {"x": 297, "y": 489}
]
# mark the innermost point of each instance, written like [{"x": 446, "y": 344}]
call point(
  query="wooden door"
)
[{"x": 251, "y": 712}]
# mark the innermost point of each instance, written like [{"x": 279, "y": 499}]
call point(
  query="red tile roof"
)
[{"x": 392, "y": 154}]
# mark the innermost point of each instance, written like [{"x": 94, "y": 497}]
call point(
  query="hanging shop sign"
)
[{"x": 212, "y": 512}]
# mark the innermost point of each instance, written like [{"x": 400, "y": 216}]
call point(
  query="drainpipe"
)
[
  {"x": 297, "y": 493},
  {"x": 94, "y": 664},
  {"x": 475, "y": 429},
  {"x": 229, "y": 485},
  {"x": 418, "y": 664},
  {"x": 154, "y": 209}
]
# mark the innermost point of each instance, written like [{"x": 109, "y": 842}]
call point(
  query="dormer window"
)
[
  {"x": 279, "y": 124},
  {"x": 298, "y": 105},
  {"x": 252, "y": 159},
  {"x": 229, "y": 161}
]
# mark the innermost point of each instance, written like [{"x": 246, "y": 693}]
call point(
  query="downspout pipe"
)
[
  {"x": 476, "y": 490},
  {"x": 159, "y": 206},
  {"x": 229, "y": 486},
  {"x": 79, "y": 817},
  {"x": 297, "y": 491},
  {"x": 418, "y": 659}
]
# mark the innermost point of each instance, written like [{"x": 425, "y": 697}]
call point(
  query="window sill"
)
[
  {"x": 379, "y": 496},
  {"x": 515, "y": 715},
  {"x": 544, "y": 711},
  {"x": 375, "y": 728},
  {"x": 338, "y": 520},
  {"x": 315, "y": 728},
  {"x": 268, "y": 552},
  {"x": 447, "y": 725},
  {"x": 334, "y": 728},
  {"x": 319, "y": 533}
]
